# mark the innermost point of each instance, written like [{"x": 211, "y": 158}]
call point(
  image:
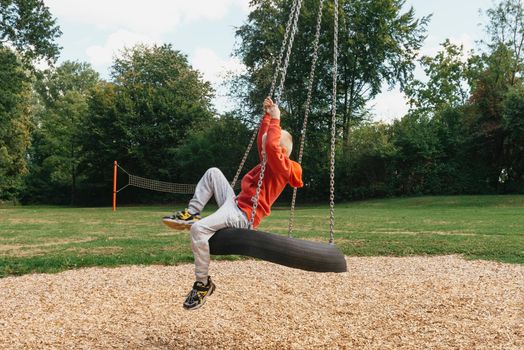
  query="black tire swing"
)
[
  {"x": 288, "y": 251},
  {"x": 282, "y": 250}
]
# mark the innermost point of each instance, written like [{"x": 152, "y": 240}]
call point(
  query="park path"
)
[{"x": 380, "y": 303}]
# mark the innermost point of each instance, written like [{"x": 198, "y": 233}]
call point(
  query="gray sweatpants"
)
[{"x": 213, "y": 183}]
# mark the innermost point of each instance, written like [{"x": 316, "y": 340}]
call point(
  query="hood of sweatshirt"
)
[{"x": 295, "y": 175}]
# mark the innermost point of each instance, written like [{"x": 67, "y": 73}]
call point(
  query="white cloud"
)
[
  {"x": 131, "y": 22},
  {"x": 214, "y": 69},
  {"x": 103, "y": 55},
  {"x": 466, "y": 41},
  {"x": 244, "y": 5},
  {"x": 154, "y": 16},
  {"x": 433, "y": 45},
  {"x": 389, "y": 105},
  {"x": 41, "y": 65}
]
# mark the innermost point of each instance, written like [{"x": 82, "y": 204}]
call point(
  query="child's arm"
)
[
  {"x": 263, "y": 129},
  {"x": 275, "y": 157},
  {"x": 268, "y": 103}
]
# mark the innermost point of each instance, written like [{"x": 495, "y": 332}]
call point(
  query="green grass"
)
[{"x": 51, "y": 239}]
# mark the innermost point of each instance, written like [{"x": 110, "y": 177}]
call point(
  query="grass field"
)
[{"x": 51, "y": 239}]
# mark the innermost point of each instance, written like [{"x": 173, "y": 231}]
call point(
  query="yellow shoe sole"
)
[{"x": 176, "y": 225}]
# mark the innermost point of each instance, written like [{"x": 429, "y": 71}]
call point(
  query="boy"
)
[{"x": 236, "y": 211}]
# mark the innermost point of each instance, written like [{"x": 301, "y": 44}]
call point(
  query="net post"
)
[{"x": 114, "y": 185}]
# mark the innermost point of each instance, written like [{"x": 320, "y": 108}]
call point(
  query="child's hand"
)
[
  {"x": 271, "y": 108},
  {"x": 274, "y": 111},
  {"x": 267, "y": 104}
]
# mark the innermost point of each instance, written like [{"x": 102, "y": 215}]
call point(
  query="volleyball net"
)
[{"x": 150, "y": 184}]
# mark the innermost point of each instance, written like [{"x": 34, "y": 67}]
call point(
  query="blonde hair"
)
[{"x": 286, "y": 141}]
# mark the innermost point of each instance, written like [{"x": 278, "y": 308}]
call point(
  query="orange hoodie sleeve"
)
[
  {"x": 263, "y": 129},
  {"x": 278, "y": 162}
]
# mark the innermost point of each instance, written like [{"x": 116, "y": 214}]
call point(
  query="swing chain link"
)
[
  {"x": 294, "y": 30},
  {"x": 306, "y": 112},
  {"x": 259, "y": 187},
  {"x": 333, "y": 130},
  {"x": 283, "y": 48},
  {"x": 278, "y": 69}
]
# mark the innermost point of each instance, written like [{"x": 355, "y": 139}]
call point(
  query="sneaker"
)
[
  {"x": 197, "y": 296},
  {"x": 181, "y": 220}
]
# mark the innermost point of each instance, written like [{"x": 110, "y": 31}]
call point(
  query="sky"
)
[{"x": 95, "y": 31}]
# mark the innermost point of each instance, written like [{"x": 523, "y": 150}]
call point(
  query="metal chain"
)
[
  {"x": 254, "y": 199},
  {"x": 294, "y": 30},
  {"x": 333, "y": 130},
  {"x": 271, "y": 90},
  {"x": 283, "y": 47},
  {"x": 306, "y": 112}
]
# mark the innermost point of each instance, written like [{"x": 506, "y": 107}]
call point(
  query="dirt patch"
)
[
  {"x": 380, "y": 303},
  {"x": 339, "y": 241},
  {"x": 97, "y": 250},
  {"x": 351, "y": 242},
  {"x": 172, "y": 233},
  {"x": 65, "y": 241},
  {"x": 415, "y": 233},
  {"x": 92, "y": 222},
  {"x": 172, "y": 249},
  {"x": 449, "y": 233},
  {"x": 302, "y": 229},
  {"x": 22, "y": 250},
  {"x": 436, "y": 222},
  {"x": 27, "y": 220}
]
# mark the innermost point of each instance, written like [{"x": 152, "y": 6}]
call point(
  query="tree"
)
[
  {"x": 144, "y": 115},
  {"x": 27, "y": 33},
  {"x": 471, "y": 93},
  {"x": 377, "y": 45},
  {"x": 448, "y": 84},
  {"x": 15, "y": 123},
  {"x": 28, "y": 26},
  {"x": 484, "y": 120},
  {"x": 418, "y": 151},
  {"x": 513, "y": 121},
  {"x": 365, "y": 168},
  {"x": 220, "y": 143},
  {"x": 497, "y": 72},
  {"x": 57, "y": 151},
  {"x": 455, "y": 170},
  {"x": 167, "y": 99},
  {"x": 70, "y": 76},
  {"x": 506, "y": 28},
  {"x": 104, "y": 138}
]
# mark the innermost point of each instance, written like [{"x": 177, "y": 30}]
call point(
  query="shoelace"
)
[
  {"x": 182, "y": 214},
  {"x": 193, "y": 296}
]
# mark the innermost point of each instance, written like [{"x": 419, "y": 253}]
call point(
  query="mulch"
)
[{"x": 443, "y": 302}]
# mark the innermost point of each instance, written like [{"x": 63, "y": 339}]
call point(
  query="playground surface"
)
[{"x": 438, "y": 302}]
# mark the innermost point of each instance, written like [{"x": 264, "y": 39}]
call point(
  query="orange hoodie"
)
[{"x": 280, "y": 171}]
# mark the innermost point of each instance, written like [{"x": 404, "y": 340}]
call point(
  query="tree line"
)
[{"x": 61, "y": 128}]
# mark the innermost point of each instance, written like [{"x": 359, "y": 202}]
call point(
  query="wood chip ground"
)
[{"x": 381, "y": 303}]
